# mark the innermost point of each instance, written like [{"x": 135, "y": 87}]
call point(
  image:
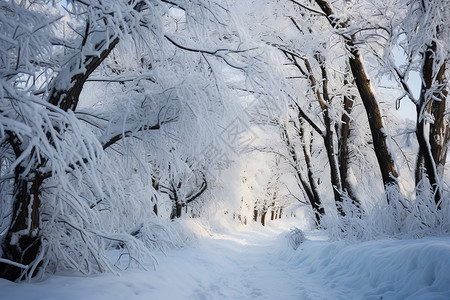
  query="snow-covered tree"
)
[
  {"x": 420, "y": 32},
  {"x": 88, "y": 88}
]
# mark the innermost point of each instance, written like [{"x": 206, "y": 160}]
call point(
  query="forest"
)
[{"x": 123, "y": 123}]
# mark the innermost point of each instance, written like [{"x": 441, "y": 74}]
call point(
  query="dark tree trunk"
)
[
  {"x": 440, "y": 128},
  {"x": 68, "y": 98},
  {"x": 425, "y": 162},
  {"x": 433, "y": 152},
  {"x": 380, "y": 144},
  {"x": 23, "y": 241},
  {"x": 263, "y": 218},
  {"x": 343, "y": 153},
  {"x": 172, "y": 192},
  {"x": 329, "y": 141},
  {"x": 334, "y": 169},
  {"x": 316, "y": 204},
  {"x": 177, "y": 209},
  {"x": 155, "y": 185}
]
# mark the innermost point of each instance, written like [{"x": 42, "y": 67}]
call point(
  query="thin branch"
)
[
  {"x": 403, "y": 153},
  {"x": 174, "y": 4},
  {"x": 305, "y": 116},
  {"x": 309, "y": 8},
  {"x": 121, "y": 79},
  {"x": 405, "y": 88},
  {"x": 129, "y": 133},
  {"x": 13, "y": 263},
  {"x": 215, "y": 52},
  {"x": 195, "y": 195}
]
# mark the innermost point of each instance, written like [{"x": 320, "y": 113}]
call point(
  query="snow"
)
[{"x": 260, "y": 263}]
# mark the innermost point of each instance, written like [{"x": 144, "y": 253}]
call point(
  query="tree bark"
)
[
  {"x": 23, "y": 241},
  {"x": 177, "y": 210},
  {"x": 263, "y": 218},
  {"x": 316, "y": 205},
  {"x": 329, "y": 142},
  {"x": 440, "y": 129},
  {"x": 343, "y": 152},
  {"x": 343, "y": 143},
  {"x": 433, "y": 144},
  {"x": 384, "y": 156}
]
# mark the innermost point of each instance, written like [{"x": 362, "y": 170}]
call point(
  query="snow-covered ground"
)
[{"x": 260, "y": 263}]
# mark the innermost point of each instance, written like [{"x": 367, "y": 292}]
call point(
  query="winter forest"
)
[{"x": 224, "y": 149}]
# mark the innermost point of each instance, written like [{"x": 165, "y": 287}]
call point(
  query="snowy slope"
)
[
  {"x": 383, "y": 269},
  {"x": 261, "y": 264}
]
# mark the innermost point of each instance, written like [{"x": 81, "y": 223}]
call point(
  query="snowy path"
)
[
  {"x": 258, "y": 264},
  {"x": 243, "y": 265}
]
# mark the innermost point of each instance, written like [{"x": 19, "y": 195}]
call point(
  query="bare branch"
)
[
  {"x": 405, "y": 88},
  {"x": 197, "y": 194},
  {"x": 173, "y": 4},
  {"x": 305, "y": 116},
  {"x": 308, "y": 8}
]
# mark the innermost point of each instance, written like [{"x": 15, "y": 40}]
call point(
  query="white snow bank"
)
[{"x": 382, "y": 269}]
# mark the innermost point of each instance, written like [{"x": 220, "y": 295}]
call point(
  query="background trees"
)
[{"x": 337, "y": 55}]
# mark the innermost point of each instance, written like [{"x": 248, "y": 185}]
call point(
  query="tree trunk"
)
[
  {"x": 425, "y": 162},
  {"x": 433, "y": 151},
  {"x": 385, "y": 159},
  {"x": 23, "y": 241},
  {"x": 334, "y": 169},
  {"x": 343, "y": 153},
  {"x": 263, "y": 218},
  {"x": 316, "y": 204},
  {"x": 329, "y": 141},
  {"x": 440, "y": 132},
  {"x": 177, "y": 209}
]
